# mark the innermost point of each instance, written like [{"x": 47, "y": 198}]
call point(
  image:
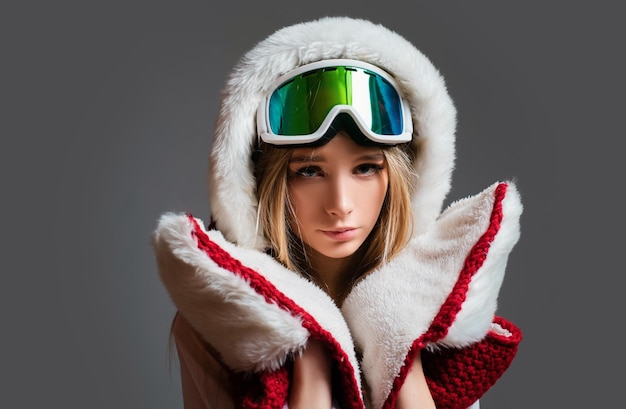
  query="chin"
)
[{"x": 338, "y": 252}]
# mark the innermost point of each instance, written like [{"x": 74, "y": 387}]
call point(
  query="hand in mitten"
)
[
  {"x": 252, "y": 311},
  {"x": 440, "y": 292}
]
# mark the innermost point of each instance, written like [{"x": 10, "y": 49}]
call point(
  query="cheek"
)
[
  {"x": 302, "y": 202},
  {"x": 376, "y": 200},
  {"x": 379, "y": 192}
]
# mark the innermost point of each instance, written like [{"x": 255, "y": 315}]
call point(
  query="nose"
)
[{"x": 340, "y": 196}]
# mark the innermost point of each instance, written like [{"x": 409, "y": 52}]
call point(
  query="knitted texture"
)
[
  {"x": 266, "y": 390},
  {"x": 458, "y": 377},
  {"x": 270, "y": 389}
]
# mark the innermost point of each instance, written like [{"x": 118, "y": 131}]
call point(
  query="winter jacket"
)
[{"x": 242, "y": 316}]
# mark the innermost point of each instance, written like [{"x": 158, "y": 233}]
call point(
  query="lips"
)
[{"x": 341, "y": 234}]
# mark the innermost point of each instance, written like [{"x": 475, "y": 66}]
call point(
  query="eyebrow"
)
[{"x": 376, "y": 156}]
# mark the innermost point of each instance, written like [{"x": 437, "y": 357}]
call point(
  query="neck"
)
[{"x": 332, "y": 275}]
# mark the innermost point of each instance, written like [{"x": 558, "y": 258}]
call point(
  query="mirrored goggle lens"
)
[{"x": 299, "y": 106}]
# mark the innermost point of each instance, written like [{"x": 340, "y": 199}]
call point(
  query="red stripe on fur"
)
[
  {"x": 451, "y": 307},
  {"x": 271, "y": 388},
  {"x": 473, "y": 262}
]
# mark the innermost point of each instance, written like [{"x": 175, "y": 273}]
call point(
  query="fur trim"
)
[
  {"x": 249, "y": 307},
  {"x": 419, "y": 298},
  {"x": 232, "y": 191},
  {"x": 474, "y": 319}
]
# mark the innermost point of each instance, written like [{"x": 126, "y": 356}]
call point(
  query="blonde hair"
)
[{"x": 392, "y": 231}]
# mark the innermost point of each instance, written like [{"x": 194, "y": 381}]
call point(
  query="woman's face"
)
[{"x": 337, "y": 192}]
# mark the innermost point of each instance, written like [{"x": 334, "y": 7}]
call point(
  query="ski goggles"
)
[{"x": 301, "y": 105}]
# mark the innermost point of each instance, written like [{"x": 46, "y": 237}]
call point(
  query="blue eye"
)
[
  {"x": 368, "y": 169},
  {"x": 308, "y": 171}
]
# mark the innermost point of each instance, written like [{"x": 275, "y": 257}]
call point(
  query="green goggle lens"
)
[{"x": 300, "y": 105}]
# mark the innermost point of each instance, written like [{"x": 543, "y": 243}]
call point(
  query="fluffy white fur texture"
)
[
  {"x": 249, "y": 332},
  {"x": 232, "y": 187},
  {"x": 394, "y": 305},
  {"x": 474, "y": 320}
]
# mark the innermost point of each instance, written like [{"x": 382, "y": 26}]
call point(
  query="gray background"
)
[{"x": 107, "y": 115}]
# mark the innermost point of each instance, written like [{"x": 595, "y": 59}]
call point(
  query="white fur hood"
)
[{"x": 232, "y": 185}]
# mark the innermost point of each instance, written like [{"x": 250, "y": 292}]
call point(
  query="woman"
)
[{"x": 328, "y": 274}]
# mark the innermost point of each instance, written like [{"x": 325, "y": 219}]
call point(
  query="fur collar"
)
[{"x": 249, "y": 307}]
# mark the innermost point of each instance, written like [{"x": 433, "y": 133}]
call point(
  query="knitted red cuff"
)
[{"x": 459, "y": 377}]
